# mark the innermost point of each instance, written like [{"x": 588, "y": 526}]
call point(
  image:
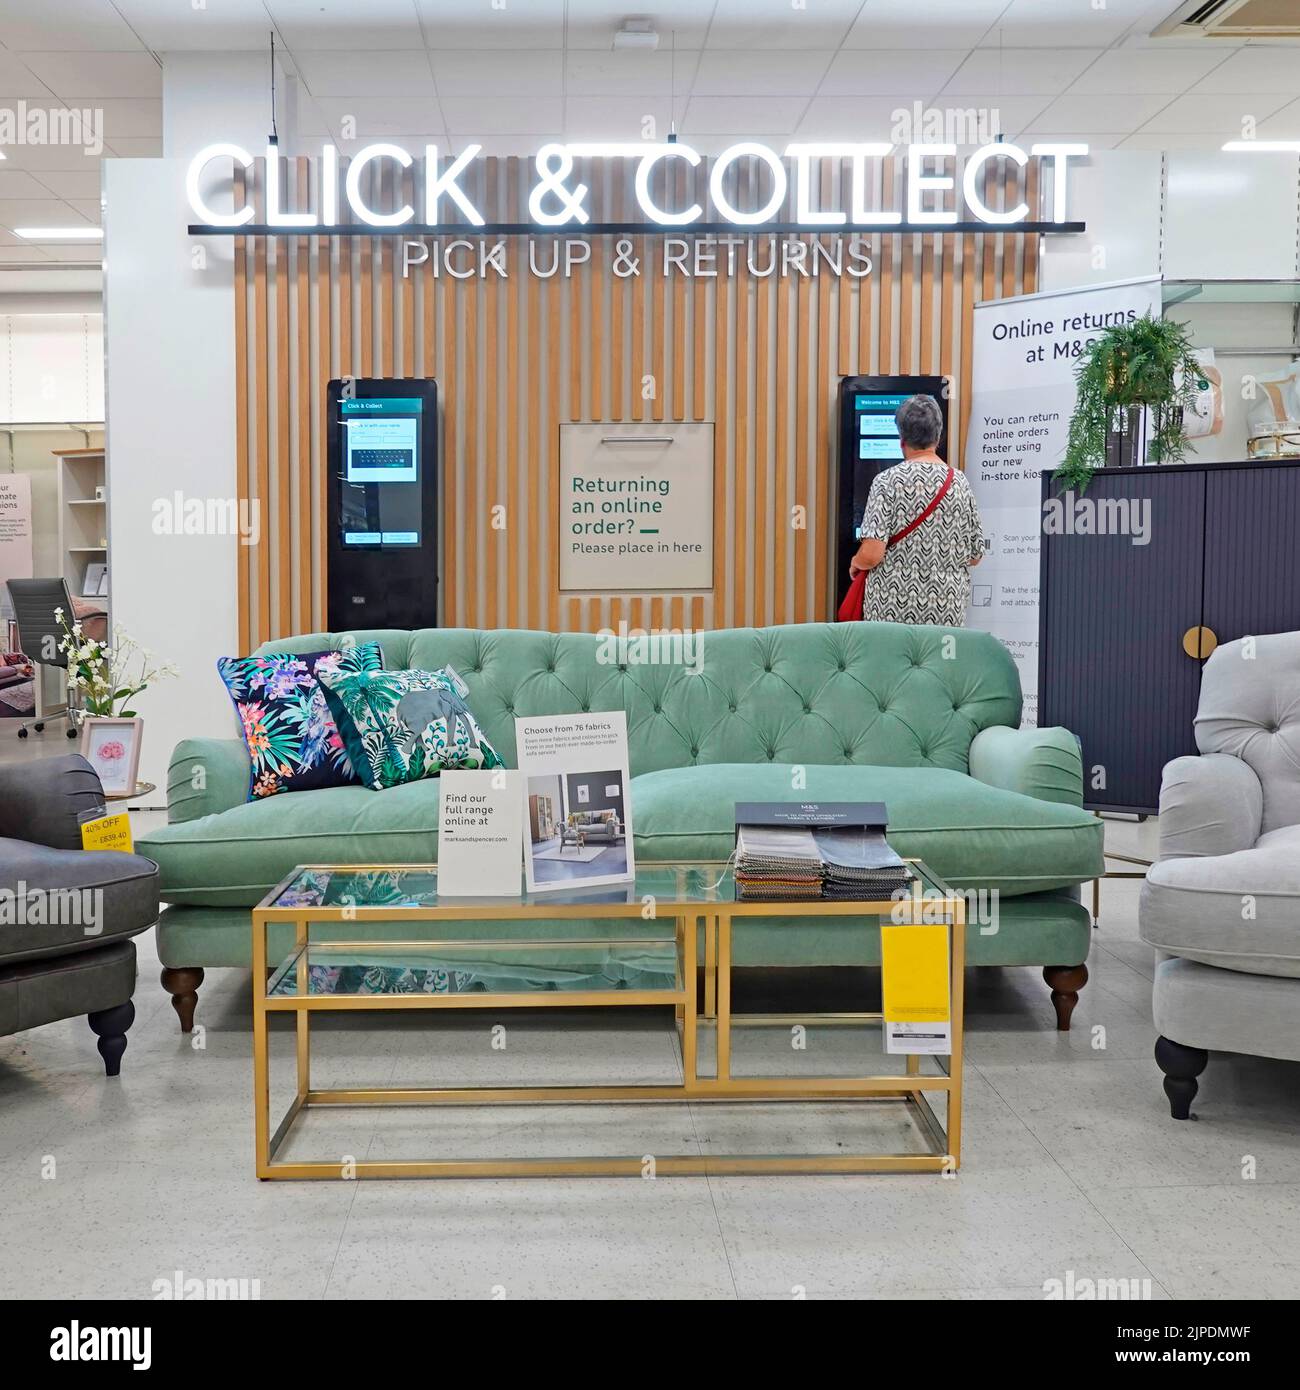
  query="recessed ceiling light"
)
[
  {"x": 636, "y": 33},
  {"x": 1262, "y": 147},
  {"x": 60, "y": 233}
]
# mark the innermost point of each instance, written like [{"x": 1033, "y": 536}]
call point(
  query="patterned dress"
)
[{"x": 925, "y": 577}]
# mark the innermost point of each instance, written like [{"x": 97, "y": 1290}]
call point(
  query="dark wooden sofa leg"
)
[
  {"x": 183, "y": 986},
  {"x": 1181, "y": 1066},
  {"x": 1065, "y": 982},
  {"x": 110, "y": 1027}
]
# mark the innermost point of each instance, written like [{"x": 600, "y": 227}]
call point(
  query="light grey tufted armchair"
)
[{"x": 1222, "y": 904}]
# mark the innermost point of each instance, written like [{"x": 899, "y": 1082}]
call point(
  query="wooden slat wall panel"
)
[{"x": 759, "y": 355}]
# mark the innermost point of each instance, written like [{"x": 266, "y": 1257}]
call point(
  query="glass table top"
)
[
  {"x": 416, "y": 886},
  {"x": 477, "y": 967}
]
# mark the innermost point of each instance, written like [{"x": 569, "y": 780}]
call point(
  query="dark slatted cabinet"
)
[{"x": 1125, "y": 619}]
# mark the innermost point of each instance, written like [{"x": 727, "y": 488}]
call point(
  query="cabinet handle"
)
[{"x": 1199, "y": 642}]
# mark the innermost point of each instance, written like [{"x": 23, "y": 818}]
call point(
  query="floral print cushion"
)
[
  {"x": 293, "y": 742},
  {"x": 400, "y": 726}
]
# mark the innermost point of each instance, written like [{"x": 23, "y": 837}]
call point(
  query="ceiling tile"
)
[
  {"x": 1065, "y": 23},
  {"x": 15, "y": 183},
  {"x": 778, "y": 24},
  {"x": 851, "y": 118},
  {"x": 67, "y": 185},
  {"x": 513, "y": 72},
  {"x": 500, "y": 115},
  {"x": 17, "y": 79},
  {"x": 593, "y": 73},
  {"x": 68, "y": 26},
  {"x": 1283, "y": 124},
  {"x": 72, "y": 158},
  {"x": 592, "y": 24},
  {"x": 890, "y": 72},
  {"x": 616, "y": 118},
  {"x": 1020, "y": 71},
  {"x": 1072, "y": 113},
  {"x": 743, "y": 72},
  {"x": 1124, "y": 70},
  {"x": 377, "y": 24},
  {"x": 1206, "y": 112},
  {"x": 365, "y": 72},
  {"x": 742, "y": 115},
  {"x": 923, "y": 23},
  {"x": 14, "y": 249},
  {"x": 228, "y": 26},
  {"x": 990, "y": 113},
  {"x": 1262, "y": 69},
  {"x": 517, "y": 24},
  {"x": 123, "y": 116},
  {"x": 132, "y": 74},
  {"x": 380, "y": 118},
  {"x": 42, "y": 212}
]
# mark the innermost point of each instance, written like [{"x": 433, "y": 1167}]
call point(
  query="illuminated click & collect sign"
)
[{"x": 559, "y": 200}]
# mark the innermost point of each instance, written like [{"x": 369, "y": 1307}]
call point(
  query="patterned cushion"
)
[
  {"x": 400, "y": 726},
  {"x": 293, "y": 742}
]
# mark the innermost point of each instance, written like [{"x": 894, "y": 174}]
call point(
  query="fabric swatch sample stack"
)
[
  {"x": 858, "y": 864},
  {"x": 777, "y": 864}
]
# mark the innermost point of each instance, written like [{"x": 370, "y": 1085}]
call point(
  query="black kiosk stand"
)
[{"x": 382, "y": 503}]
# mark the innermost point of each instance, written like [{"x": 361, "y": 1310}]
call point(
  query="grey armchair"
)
[
  {"x": 69, "y": 914},
  {"x": 1222, "y": 903}
]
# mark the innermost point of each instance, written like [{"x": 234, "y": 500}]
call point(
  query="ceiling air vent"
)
[{"x": 1233, "y": 19}]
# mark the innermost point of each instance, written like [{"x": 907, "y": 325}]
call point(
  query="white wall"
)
[
  {"x": 225, "y": 97},
  {"x": 1117, "y": 193},
  {"x": 51, "y": 368},
  {"x": 171, "y": 425}
]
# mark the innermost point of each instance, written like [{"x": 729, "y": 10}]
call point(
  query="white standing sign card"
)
[
  {"x": 577, "y": 804},
  {"x": 479, "y": 829}
]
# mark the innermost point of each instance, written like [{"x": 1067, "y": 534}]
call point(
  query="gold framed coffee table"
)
[{"x": 372, "y": 938}]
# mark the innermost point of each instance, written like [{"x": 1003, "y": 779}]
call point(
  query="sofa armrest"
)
[
  {"x": 1044, "y": 763},
  {"x": 206, "y": 775},
  {"x": 40, "y": 801},
  {"x": 1211, "y": 804}
]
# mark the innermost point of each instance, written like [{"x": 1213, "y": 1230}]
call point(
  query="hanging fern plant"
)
[{"x": 1147, "y": 363}]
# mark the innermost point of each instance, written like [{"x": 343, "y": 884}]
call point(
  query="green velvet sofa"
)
[{"x": 924, "y": 719}]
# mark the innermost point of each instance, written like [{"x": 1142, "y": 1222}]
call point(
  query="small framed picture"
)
[{"x": 112, "y": 748}]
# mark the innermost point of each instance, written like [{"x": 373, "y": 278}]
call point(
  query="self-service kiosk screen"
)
[
  {"x": 869, "y": 443},
  {"x": 380, "y": 501},
  {"x": 875, "y": 430}
]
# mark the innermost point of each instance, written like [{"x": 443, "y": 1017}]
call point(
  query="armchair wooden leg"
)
[
  {"x": 183, "y": 986},
  {"x": 110, "y": 1027},
  {"x": 1065, "y": 982},
  {"x": 1181, "y": 1066}
]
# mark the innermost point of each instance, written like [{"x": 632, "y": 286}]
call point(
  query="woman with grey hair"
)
[{"x": 921, "y": 530}]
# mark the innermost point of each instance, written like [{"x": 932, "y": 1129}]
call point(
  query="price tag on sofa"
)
[
  {"x": 107, "y": 832},
  {"x": 916, "y": 988},
  {"x": 480, "y": 833}
]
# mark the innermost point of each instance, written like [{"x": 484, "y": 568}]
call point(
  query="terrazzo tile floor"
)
[{"x": 1071, "y": 1161}]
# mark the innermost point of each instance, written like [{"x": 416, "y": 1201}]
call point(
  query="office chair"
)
[{"x": 34, "y": 602}]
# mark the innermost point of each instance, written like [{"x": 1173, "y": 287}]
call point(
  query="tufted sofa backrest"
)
[
  {"x": 1250, "y": 708},
  {"x": 818, "y": 693}
]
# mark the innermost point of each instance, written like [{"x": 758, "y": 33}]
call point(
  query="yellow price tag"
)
[
  {"x": 914, "y": 973},
  {"x": 107, "y": 832}
]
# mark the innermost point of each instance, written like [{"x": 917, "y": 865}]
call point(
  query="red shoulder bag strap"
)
[{"x": 930, "y": 506}]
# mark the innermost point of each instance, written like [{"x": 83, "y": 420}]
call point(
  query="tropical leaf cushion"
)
[
  {"x": 400, "y": 726},
  {"x": 293, "y": 742}
]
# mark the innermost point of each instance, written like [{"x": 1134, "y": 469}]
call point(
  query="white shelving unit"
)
[{"x": 83, "y": 516}]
